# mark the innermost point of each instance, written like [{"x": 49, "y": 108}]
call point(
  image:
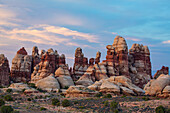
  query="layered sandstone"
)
[
  {"x": 80, "y": 64},
  {"x": 140, "y": 65},
  {"x": 163, "y": 70},
  {"x": 4, "y": 71},
  {"x": 21, "y": 66}
]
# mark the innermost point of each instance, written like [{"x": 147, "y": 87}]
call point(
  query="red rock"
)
[
  {"x": 4, "y": 71},
  {"x": 163, "y": 70},
  {"x": 22, "y": 51}
]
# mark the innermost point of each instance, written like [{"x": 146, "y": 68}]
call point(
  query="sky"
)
[{"x": 65, "y": 25}]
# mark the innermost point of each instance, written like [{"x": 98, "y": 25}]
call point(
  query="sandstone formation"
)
[
  {"x": 21, "y": 66},
  {"x": 156, "y": 87},
  {"x": 80, "y": 64},
  {"x": 139, "y": 65},
  {"x": 117, "y": 85},
  {"x": 19, "y": 87},
  {"x": 79, "y": 91},
  {"x": 4, "y": 71},
  {"x": 50, "y": 61},
  {"x": 163, "y": 70},
  {"x": 65, "y": 81},
  {"x": 49, "y": 84},
  {"x": 35, "y": 57}
]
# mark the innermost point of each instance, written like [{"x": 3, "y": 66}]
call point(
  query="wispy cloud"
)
[
  {"x": 166, "y": 42},
  {"x": 133, "y": 39}
]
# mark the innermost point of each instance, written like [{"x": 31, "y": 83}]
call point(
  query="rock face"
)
[
  {"x": 19, "y": 87},
  {"x": 49, "y": 84},
  {"x": 155, "y": 87},
  {"x": 79, "y": 91},
  {"x": 21, "y": 66},
  {"x": 80, "y": 64},
  {"x": 65, "y": 81},
  {"x": 136, "y": 65},
  {"x": 139, "y": 65},
  {"x": 35, "y": 57},
  {"x": 50, "y": 61},
  {"x": 117, "y": 85},
  {"x": 4, "y": 71},
  {"x": 163, "y": 70}
]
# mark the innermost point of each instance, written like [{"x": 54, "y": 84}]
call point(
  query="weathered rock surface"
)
[
  {"x": 163, "y": 70},
  {"x": 21, "y": 66},
  {"x": 65, "y": 81},
  {"x": 50, "y": 62},
  {"x": 4, "y": 71},
  {"x": 80, "y": 64},
  {"x": 156, "y": 86},
  {"x": 19, "y": 87},
  {"x": 117, "y": 85},
  {"x": 35, "y": 57},
  {"x": 139, "y": 65},
  {"x": 79, "y": 91},
  {"x": 49, "y": 83}
]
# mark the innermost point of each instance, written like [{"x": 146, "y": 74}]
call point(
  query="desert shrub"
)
[
  {"x": 6, "y": 109},
  {"x": 106, "y": 103},
  {"x": 28, "y": 99},
  {"x": 99, "y": 94},
  {"x": 2, "y": 102},
  {"x": 81, "y": 107},
  {"x": 15, "y": 112},
  {"x": 66, "y": 87},
  {"x": 43, "y": 109},
  {"x": 65, "y": 103},
  {"x": 8, "y": 98},
  {"x": 40, "y": 90},
  {"x": 1, "y": 86},
  {"x": 114, "y": 106},
  {"x": 75, "y": 102},
  {"x": 9, "y": 90},
  {"x": 145, "y": 98},
  {"x": 36, "y": 97},
  {"x": 123, "y": 96},
  {"x": 55, "y": 101},
  {"x": 23, "y": 90},
  {"x": 160, "y": 109},
  {"x": 32, "y": 85},
  {"x": 108, "y": 96}
]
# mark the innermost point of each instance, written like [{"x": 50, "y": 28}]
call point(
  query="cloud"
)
[
  {"x": 3, "y": 44},
  {"x": 133, "y": 39},
  {"x": 166, "y": 42},
  {"x": 49, "y": 35}
]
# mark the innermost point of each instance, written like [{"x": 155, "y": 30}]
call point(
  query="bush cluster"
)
[
  {"x": 99, "y": 94},
  {"x": 55, "y": 102},
  {"x": 8, "y": 98},
  {"x": 6, "y": 109},
  {"x": 114, "y": 106},
  {"x": 107, "y": 96},
  {"x": 65, "y": 103},
  {"x": 2, "y": 102},
  {"x": 43, "y": 109}
]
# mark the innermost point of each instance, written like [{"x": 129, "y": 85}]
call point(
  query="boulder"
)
[
  {"x": 79, "y": 91},
  {"x": 156, "y": 86},
  {"x": 163, "y": 70},
  {"x": 65, "y": 81},
  {"x": 49, "y": 84}
]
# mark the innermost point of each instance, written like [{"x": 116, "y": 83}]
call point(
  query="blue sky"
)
[{"x": 65, "y": 25}]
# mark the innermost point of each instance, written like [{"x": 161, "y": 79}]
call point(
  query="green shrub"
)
[
  {"x": 123, "y": 96},
  {"x": 2, "y": 102},
  {"x": 55, "y": 101},
  {"x": 146, "y": 98},
  {"x": 108, "y": 96},
  {"x": 8, "y": 98},
  {"x": 9, "y": 90},
  {"x": 23, "y": 90},
  {"x": 65, "y": 103},
  {"x": 81, "y": 107},
  {"x": 32, "y": 85},
  {"x": 160, "y": 109},
  {"x": 6, "y": 109},
  {"x": 114, "y": 106},
  {"x": 99, "y": 94},
  {"x": 28, "y": 99},
  {"x": 43, "y": 109},
  {"x": 66, "y": 87},
  {"x": 15, "y": 112},
  {"x": 75, "y": 102},
  {"x": 106, "y": 103}
]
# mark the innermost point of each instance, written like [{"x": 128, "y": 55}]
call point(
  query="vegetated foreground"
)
[{"x": 46, "y": 103}]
